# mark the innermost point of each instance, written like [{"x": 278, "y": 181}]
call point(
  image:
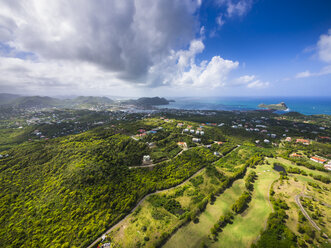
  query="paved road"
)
[
  {"x": 139, "y": 203},
  {"x": 298, "y": 202}
]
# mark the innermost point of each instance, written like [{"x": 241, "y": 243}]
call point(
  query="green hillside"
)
[{"x": 66, "y": 191}]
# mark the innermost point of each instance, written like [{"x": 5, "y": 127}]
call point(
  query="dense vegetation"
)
[{"x": 84, "y": 176}]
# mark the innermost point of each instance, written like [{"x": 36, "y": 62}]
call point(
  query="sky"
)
[{"x": 166, "y": 47}]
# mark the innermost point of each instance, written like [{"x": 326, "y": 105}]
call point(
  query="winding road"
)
[{"x": 139, "y": 203}]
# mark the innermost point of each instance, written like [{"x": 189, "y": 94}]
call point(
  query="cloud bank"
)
[{"x": 96, "y": 45}]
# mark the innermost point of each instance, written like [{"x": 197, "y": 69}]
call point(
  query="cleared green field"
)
[
  {"x": 246, "y": 227},
  {"x": 193, "y": 234},
  {"x": 289, "y": 163}
]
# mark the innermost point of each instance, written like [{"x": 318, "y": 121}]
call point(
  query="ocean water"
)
[{"x": 304, "y": 105}]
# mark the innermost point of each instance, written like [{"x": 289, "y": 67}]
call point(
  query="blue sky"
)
[{"x": 166, "y": 47}]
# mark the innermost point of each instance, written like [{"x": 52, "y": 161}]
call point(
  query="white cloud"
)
[
  {"x": 258, "y": 84},
  {"x": 236, "y": 7},
  {"x": 324, "y": 71},
  {"x": 181, "y": 69},
  {"x": 245, "y": 79},
  {"x": 324, "y": 47},
  {"x": 220, "y": 20},
  {"x": 303, "y": 74}
]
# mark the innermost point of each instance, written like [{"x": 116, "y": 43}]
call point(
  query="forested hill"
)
[{"x": 65, "y": 192}]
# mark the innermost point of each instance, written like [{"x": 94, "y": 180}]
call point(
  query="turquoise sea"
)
[{"x": 304, "y": 105}]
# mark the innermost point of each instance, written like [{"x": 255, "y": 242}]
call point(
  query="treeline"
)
[{"x": 238, "y": 207}]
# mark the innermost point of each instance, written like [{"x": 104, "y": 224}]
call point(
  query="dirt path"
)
[
  {"x": 139, "y": 203},
  {"x": 298, "y": 202}
]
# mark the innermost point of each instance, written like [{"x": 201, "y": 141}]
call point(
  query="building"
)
[
  {"x": 266, "y": 141},
  {"x": 182, "y": 144},
  {"x": 185, "y": 130},
  {"x": 303, "y": 141},
  {"x": 196, "y": 140},
  {"x": 197, "y": 132},
  {"x": 288, "y": 139},
  {"x": 318, "y": 160},
  {"x": 295, "y": 155},
  {"x": 273, "y": 135},
  {"x": 192, "y": 131},
  {"x": 180, "y": 124},
  {"x": 146, "y": 158},
  {"x": 216, "y": 153}
]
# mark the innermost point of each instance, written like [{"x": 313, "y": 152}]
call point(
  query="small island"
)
[{"x": 277, "y": 106}]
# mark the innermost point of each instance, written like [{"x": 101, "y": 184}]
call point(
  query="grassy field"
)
[
  {"x": 289, "y": 163},
  {"x": 299, "y": 184},
  {"x": 246, "y": 226},
  {"x": 193, "y": 234}
]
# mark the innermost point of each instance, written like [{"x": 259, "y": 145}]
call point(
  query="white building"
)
[
  {"x": 266, "y": 141},
  {"x": 146, "y": 158}
]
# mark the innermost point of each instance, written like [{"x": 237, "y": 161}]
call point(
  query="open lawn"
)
[
  {"x": 246, "y": 227},
  {"x": 192, "y": 234}
]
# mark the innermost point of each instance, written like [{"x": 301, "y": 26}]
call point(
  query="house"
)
[
  {"x": 208, "y": 146},
  {"x": 202, "y": 133},
  {"x": 303, "y": 141},
  {"x": 256, "y": 129},
  {"x": 182, "y": 144},
  {"x": 216, "y": 153},
  {"x": 146, "y": 158},
  {"x": 197, "y": 132},
  {"x": 196, "y": 140},
  {"x": 180, "y": 124},
  {"x": 141, "y": 130},
  {"x": 192, "y": 131},
  {"x": 318, "y": 160},
  {"x": 273, "y": 135},
  {"x": 234, "y": 126},
  {"x": 266, "y": 141},
  {"x": 288, "y": 139},
  {"x": 185, "y": 130},
  {"x": 257, "y": 141},
  {"x": 219, "y": 142},
  {"x": 295, "y": 155},
  {"x": 221, "y": 124}
]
